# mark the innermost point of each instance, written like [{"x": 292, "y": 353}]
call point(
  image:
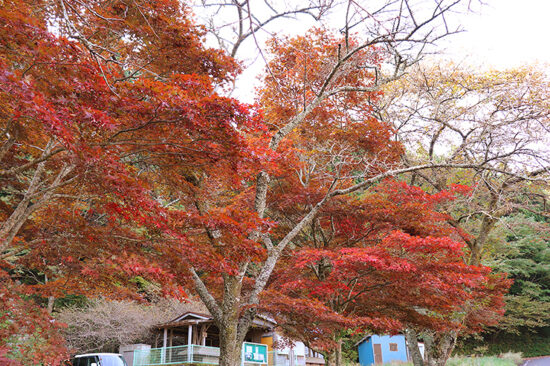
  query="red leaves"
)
[
  {"x": 384, "y": 260},
  {"x": 155, "y": 174},
  {"x": 27, "y": 332}
]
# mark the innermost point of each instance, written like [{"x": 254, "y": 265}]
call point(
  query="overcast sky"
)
[{"x": 507, "y": 33}]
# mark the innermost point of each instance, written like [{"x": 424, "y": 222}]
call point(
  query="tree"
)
[
  {"x": 517, "y": 246},
  {"x": 71, "y": 193},
  {"x": 341, "y": 78},
  {"x": 240, "y": 252},
  {"x": 520, "y": 247},
  {"x": 172, "y": 181},
  {"x": 102, "y": 325},
  {"x": 449, "y": 113},
  {"x": 381, "y": 260}
]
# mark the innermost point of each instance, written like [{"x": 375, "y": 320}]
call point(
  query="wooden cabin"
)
[
  {"x": 194, "y": 338},
  {"x": 192, "y": 328}
]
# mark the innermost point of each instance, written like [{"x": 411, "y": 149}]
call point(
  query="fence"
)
[
  {"x": 276, "y": 358},
  {"x": 195, "y": 354},
  {"x": 177, "y": 355}
]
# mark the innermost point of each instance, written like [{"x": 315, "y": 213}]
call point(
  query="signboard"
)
[{"x": 254, "y": 353}]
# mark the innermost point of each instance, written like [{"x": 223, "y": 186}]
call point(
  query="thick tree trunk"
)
[
  {"x": 230, "y": 345},
  {"x": 412, "y": 343},
  {"x": 438, "y": 348}
]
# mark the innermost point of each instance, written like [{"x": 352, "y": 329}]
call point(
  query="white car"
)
[{"x": 99, "y": 359}]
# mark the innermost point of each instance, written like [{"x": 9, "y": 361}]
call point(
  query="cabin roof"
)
[
  {"x": 367, "y": 336},
  {"x": 192, "y": 315},
  {"x": 194, "y": 318}
]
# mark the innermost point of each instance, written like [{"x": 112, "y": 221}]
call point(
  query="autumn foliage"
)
[
  {"x": 121, "y": 159},
  {"x": 91, "y": 116},
  {"x": 384, "y": 261}
]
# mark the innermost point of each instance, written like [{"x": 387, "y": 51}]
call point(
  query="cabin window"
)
[{"x": 393, "y": 347}]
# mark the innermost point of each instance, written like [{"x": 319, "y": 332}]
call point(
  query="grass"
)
[
  {"x": 506, "y": 360},
  {"x": 480, "y": 361}
]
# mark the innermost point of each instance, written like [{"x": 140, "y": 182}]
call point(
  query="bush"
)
[
  {"x": 104, "y": 325},
  {"x": 515, "y": 357},
  {"x": 531, "y": 345}
]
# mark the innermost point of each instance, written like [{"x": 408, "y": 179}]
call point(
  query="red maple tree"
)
[
  {"x": 90, "y": 94},
  {"x": 120, "y": 159},
  {"x": 379, "y": 262}
]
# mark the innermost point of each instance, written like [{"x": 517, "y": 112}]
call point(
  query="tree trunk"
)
[
  {"x": 330, "y": 359},
  {"x": 334, "y": 357},
  {"x": 438, "y": 348},
  {"x": 338, "y": 352},
  {"x": 51, "y": 303},
  {"x": 230, "y": 345},
  {"x": 412, "y": 343}
]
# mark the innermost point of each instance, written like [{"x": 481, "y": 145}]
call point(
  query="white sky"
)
[{"x": 507, "y": 33}]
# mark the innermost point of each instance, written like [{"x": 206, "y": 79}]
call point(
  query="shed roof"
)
[
  {"x": 367, "y": 336},
  {"x": 363, "y": 339}
]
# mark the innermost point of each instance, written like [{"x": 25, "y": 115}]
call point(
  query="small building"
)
[
  {"x": 377, "y": 350},
  {"x": 193, "y": 338},
  {"x": 193, "y": 328}
]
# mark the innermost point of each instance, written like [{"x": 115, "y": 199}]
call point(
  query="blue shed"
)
[{"x": 376, "y": 350}]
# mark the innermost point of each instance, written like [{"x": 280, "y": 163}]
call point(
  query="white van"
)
[{"x": 99, "y": 359}]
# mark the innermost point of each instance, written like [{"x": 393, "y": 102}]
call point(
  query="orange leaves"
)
[
  {"x": 299, "y": 69},
  {"x": 339, "y": 138},
  {"x": 133, "y": 123},
  {"x": 158, "y": 38}
]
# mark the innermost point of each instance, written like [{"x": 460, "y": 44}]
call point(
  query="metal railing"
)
[
  {"x": 195, "y": 354},
  {"x": 177, "y": 355}
]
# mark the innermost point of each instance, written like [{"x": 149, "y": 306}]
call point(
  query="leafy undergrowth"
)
[{"x": 531, "y": 345}]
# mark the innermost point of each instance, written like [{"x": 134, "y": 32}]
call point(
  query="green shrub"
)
[{"x": 531, "y": 345}]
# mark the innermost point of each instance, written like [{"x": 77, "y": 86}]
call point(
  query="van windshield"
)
[{"x": 108, "y": 360}]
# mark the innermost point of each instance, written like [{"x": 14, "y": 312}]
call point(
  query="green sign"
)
[{"x": 254, "y": 353}]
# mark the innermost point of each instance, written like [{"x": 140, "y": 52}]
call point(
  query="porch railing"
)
[
  {"x": 177, "y": 355},
  {"x": 195, "y": 354}
]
